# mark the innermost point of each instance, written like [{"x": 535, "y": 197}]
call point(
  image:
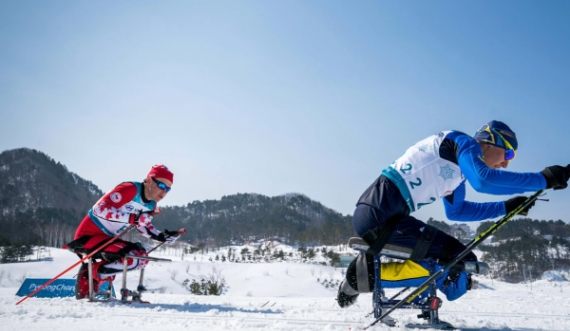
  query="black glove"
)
[
  {"x": 161, "y": 237},
  {"x": 513, "y": 204},
  {"x": 556, "y": 177},
  {"x": 171, "y": 233},
  {"x": 170, "y": 236},
  {"x": 453, "y": 274},
  {"x": 166, "y": 235}
]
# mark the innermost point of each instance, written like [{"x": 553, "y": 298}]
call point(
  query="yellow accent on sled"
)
[{"x": 395, "y": 271}]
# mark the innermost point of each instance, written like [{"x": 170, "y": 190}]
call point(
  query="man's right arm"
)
[{"x": 492, "y": 181}]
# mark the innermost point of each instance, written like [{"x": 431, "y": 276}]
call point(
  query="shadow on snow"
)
[{"x": 196, "y": 308}]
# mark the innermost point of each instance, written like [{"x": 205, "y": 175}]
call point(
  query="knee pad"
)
[
  {"x": 450, "y": 248},
  {"x": 100, "y": 274},
  {"x": 141, "y": 263}
]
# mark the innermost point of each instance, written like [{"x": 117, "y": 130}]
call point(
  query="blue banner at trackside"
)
[{"x": 59, "y": 288}]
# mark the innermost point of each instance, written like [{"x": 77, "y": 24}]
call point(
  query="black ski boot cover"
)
[{"x": 346, "y": 295}]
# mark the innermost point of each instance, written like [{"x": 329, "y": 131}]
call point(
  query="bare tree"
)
[{"x": 173, "y": 273}]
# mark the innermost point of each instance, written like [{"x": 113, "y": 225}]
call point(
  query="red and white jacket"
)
[{"x": 117, "y": 209}]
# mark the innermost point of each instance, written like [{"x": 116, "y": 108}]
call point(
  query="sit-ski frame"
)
[
  {"x": 429, "y": 306},
  {"x": 125, "y": 292}
]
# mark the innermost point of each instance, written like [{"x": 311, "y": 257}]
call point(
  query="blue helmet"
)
[{"x": 492, "y": 132}]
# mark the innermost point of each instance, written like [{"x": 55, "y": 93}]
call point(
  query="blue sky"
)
[{"x": 271, "y": 97}]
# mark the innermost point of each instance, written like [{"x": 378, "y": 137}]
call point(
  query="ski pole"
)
[
  {"x": 83, "y": 259},
  {"x": 392, "y": 298},
  {"x": 472, "y": 245},
  {"x": 182, "y": 231}
]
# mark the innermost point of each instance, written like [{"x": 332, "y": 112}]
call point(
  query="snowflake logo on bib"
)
[
  {"x": 446, "y": 172},
  {"x": 426, "y": 147}
]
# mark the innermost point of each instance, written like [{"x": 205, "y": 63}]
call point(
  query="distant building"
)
[{"x": 345, "y": 261}]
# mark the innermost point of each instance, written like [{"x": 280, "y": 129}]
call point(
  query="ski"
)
[
  {"x": 113, "y": 300},
  {"x": 472, "y": 245},
  {"x": 130, "y": 302}
]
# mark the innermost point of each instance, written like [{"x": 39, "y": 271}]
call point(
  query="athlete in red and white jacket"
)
[{"x": 126, "y": 204}]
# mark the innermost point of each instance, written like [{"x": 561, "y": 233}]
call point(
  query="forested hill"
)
[
  {"x": 525, "y": 246},
  {"x": 42, "y": 202},
  {"x": 30, "y": 180},
  {"x": 528, "y": 227},
  {"x": 243, "y": 217}
]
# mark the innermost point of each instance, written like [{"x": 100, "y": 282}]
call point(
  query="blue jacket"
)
[{"x": 485, "y": 180}]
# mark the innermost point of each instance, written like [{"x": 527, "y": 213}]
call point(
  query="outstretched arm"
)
[
  {"x": 148, "y": 230},
  {"x": 457, "y": 209},
  {"x": 492, "y": 181}
]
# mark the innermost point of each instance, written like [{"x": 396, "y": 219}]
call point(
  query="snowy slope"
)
[{"x": 263, "y": 296}]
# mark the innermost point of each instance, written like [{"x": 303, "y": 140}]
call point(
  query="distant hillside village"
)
[
  {"x": 519, "y": 246},
  {"x": 42, "y": 203}
]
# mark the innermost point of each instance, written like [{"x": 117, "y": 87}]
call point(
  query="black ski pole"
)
[
  {"x": 478, "y": 240},
  {"x": 392, "y": 298},
  {"x": 181, "y": 231}
]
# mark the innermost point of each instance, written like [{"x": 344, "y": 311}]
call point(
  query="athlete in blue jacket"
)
[{"x": 437, "y": 168}]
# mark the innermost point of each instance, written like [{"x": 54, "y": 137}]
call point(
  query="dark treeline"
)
[
  {"x": 30, "y": 180},
  {"x": 527, "y": 226},
  {"x": 42, "y": 203},
  {"x": 520, "y": 244},
  {"x": 524, "y": 243},
  {"x": 44, "y": 226},
  {"x": 295, "y": 219},
  {"x": 239, "y": 218}
]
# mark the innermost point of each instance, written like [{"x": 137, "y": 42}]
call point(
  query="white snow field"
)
[{"x": 263, "y": 296}]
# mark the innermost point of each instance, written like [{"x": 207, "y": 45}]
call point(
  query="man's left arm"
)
[
  {"x": 457, "y": 209},
  {"x": 148, "y": 230}
]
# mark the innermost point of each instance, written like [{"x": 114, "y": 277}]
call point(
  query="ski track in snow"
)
[{"x": 266, "y": 296}]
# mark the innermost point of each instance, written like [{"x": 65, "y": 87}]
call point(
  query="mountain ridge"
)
[{"x": 37, "y": 190}]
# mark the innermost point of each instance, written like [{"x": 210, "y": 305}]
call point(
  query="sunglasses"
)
[
  {"x": 161, "y": 185},
  {"x": 510, "y": 152}
]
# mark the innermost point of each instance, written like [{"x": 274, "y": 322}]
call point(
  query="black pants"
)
[
  {"x": 381, "y": 201},
  {"x": 407, "y": 233}
]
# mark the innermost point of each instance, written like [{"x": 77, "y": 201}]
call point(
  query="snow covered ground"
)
[{"x": 263, "y": 296}]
